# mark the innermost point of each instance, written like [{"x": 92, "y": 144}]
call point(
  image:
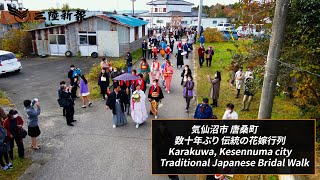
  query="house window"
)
[
  {"x": 51, "y": 30},
  {"x": 136, "y": 33},
  {"x": 53, "y": 39},
  {"x": 214, "y": 22},
  {"x": 62, "y": 30},
  {"x": 87, "y": 38},
  {"x": 155, "y": 9},
  {"x": 1, "y": 6},
  {"x": 184, "y": 22},
  {"x": 57, "y": 39},
  {"x": 45, "y": 34},
  {"x": 61, "y": 39},
  {"x": 143, "y": 30},
  {"x": 113, "y": 27},
  {"x": 164, "y": 9},
  {"x": 39, "y": 34}
]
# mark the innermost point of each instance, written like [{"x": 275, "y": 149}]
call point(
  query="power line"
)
[{"x": 286, "y": 64}]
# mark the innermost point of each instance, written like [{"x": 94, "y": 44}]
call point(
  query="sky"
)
[{"x": 107, "y": 5}]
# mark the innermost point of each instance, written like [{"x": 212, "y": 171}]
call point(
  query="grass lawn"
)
[
  {"x": 4, "y": 100},
  {"x": 119, "y": 63},
  {"x": 19, "y": 167},
  {"x": 283, "y": 108}
]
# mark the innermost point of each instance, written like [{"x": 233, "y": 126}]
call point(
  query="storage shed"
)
[{"x": 110, "y": 35}]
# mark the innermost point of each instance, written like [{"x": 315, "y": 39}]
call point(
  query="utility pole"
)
[
  {"x": 199, "y": 17},
  {"x": 271, "y": 74},
  {"x": 152, "y": 14},
  {"x": 133, "y": 7}
]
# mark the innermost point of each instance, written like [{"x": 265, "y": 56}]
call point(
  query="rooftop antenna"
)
[{"x": 133, "y": 7}]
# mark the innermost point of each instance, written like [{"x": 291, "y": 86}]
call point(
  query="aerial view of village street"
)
[{"x": 160, "y": 90}]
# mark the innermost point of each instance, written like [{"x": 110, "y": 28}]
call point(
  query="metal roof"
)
[
  {"x": 170, "y": 2},
  {"x": 120, "y": 19},
  {"x": 128, "y": 20}
]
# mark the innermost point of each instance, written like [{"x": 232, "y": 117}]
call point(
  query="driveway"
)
[{"x": 91, "y": 149}]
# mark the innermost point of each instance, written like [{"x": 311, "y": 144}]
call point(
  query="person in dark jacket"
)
[
  {"x": 129, "y": 61},
  {"x": 116, "y": 102},
  {"x": 203, "y": 111},
  {"x": 201, "y": 52},
  {"x": 188, "y": 91},
  {"x": 103, "y": 82},
  {"x": 4, "y": 150},
  {"x": 67, "y": 102},
  {"x": 209, "y": 55},
  {"x": 144, "y": 48},
  {"x": 114, "y": 74},
  {"x": 13, "y": 126},
  {"x": 73, "y": 82},
  {"x": 185, "y": 73}
]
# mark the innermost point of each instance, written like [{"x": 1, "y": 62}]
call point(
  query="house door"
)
[{"x": 57, "y": 44}]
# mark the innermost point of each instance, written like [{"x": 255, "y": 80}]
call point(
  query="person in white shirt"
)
[
  {"x": 239, "y": 81},
  {"x": 230, "y": 113}
]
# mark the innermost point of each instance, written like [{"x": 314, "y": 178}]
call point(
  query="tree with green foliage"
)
[{"x": 300, "y": 57}]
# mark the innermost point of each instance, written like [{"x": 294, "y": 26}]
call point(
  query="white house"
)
[
  {"x": 17, "y": 4},
  {"x": 177, "y": 13}
]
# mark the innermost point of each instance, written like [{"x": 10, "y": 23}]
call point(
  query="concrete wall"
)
[
  {"x": 108, "y": 43},
  {"x": 123, "y": 33},
  {"x": 181, "y": 8},
  {"x": 190, "y": 20},
  {"x": 131, "y": 35},
  {"x": 140, "y": 31}
]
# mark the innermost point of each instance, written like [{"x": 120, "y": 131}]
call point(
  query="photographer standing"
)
[
  {"x": 33, "y": 128},
  {"x": 66, "y": 101}
]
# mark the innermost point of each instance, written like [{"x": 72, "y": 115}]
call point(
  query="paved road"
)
[{"x": 91, "y": 149}]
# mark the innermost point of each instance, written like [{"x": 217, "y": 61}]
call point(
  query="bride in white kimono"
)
[{"x": 139, "y": 112}]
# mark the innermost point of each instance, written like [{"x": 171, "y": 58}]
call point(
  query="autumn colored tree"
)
[
  {"x": 17, "y": 41},
  {"x": 213, "y": 35}
]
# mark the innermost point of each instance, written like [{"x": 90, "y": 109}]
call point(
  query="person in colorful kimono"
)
[
  {"x": 168, "y": 52},
  {"x": 141, "y": 82},
  {"x": 155, "y": 96},
  {"x": 168, "y": 74},
  {"x": 155, "y": 69},
  {"x": 155, "y": 52},
  {"x": 144, "y": 69}
]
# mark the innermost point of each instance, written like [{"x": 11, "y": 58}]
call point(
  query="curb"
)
[{"x": 195, "y": 89}]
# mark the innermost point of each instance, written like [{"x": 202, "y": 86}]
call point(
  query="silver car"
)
[{"x": 9, "y": 62}]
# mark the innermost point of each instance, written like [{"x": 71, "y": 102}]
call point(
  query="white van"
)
[
  {"x": 224, "y": 26},
  {"x": 9, "y": 62}
]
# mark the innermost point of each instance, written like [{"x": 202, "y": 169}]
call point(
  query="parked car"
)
[
  {"x": 227, "y": 36},
  {"x": 9, "y": 62},
  {"x": 224, "y": 26}
]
